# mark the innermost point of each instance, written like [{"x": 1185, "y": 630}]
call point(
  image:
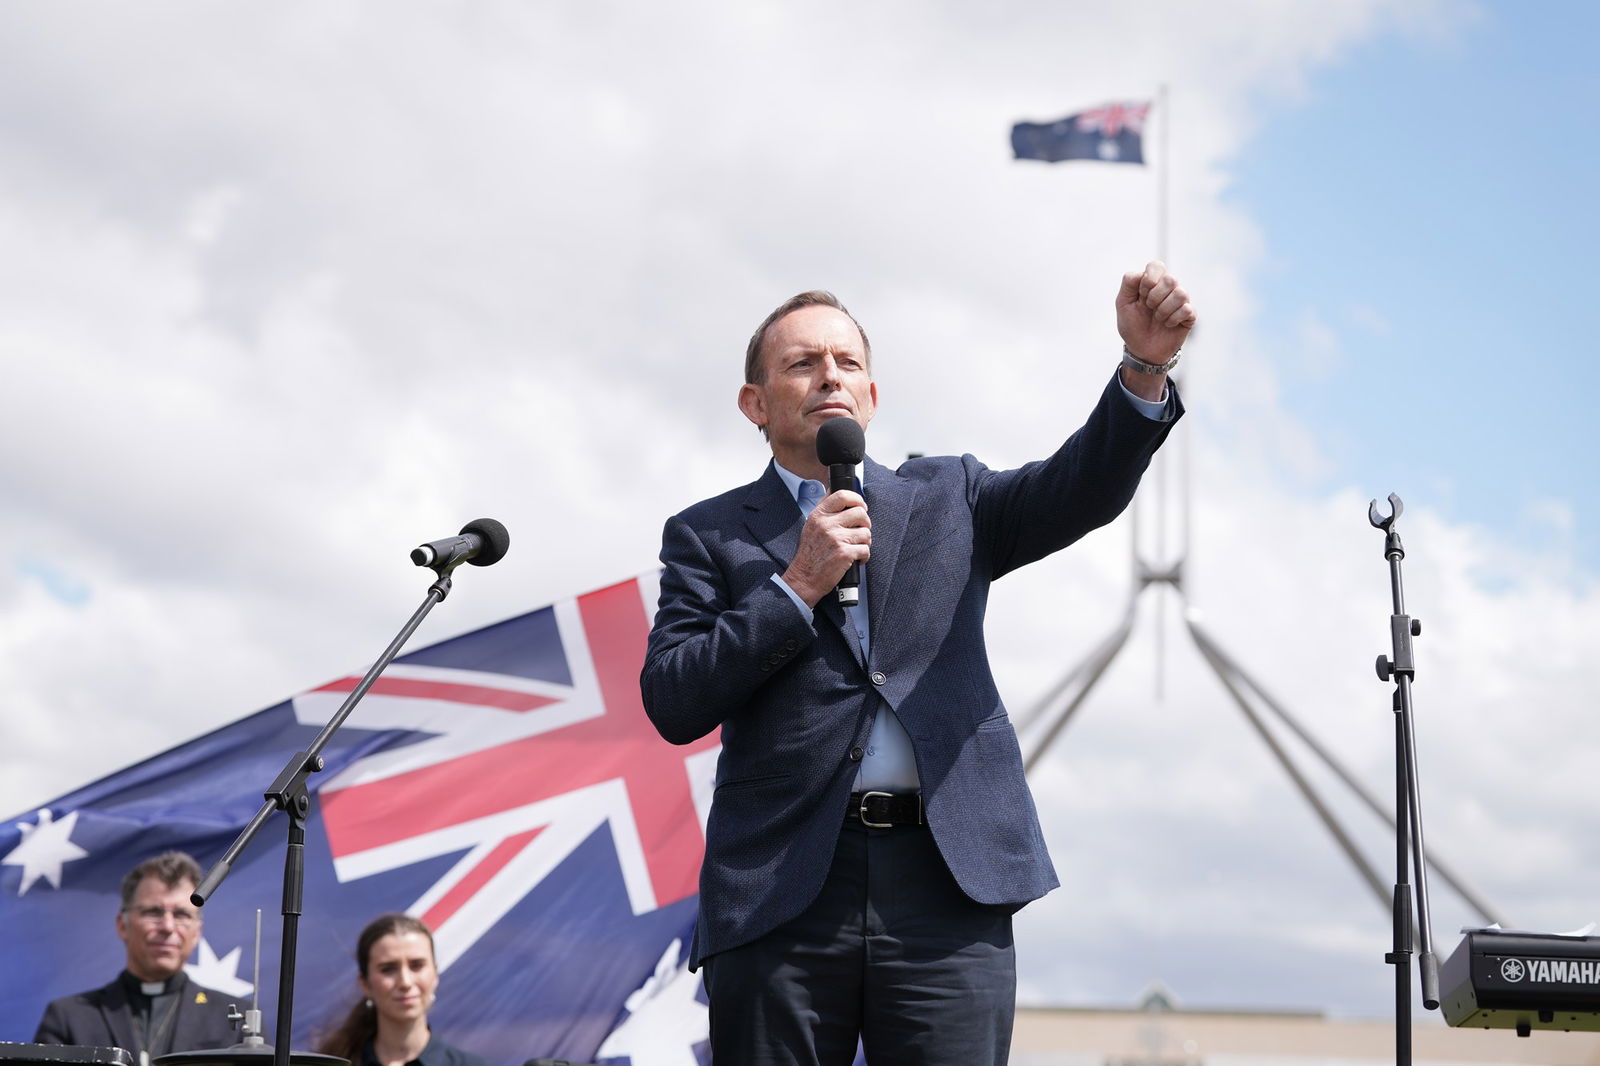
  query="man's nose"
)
[{"x": 830, "y": 372}]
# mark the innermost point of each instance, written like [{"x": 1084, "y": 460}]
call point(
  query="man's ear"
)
[{"x": 753, "y": 404}]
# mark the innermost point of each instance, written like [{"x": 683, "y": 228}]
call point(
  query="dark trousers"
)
[{"x": 891, "y": 951}]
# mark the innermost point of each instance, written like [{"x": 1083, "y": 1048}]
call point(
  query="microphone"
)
[
  {"x": 482, "y": 542},
  {"x": 841, "y": 444}
]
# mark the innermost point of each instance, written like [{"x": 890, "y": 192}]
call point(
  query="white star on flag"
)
[
  {"x": 665, "y": 1020},
  {"x": 45, "y": 848},
  {"x": 220, "y": 974}
]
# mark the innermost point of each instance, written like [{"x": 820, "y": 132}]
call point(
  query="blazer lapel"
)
[
  {"x": 118, "y": 1016},
  {"x": 774, "y": 519},
  {"x": 772, "y": 516},
  {"x": 889, "y": 501}
]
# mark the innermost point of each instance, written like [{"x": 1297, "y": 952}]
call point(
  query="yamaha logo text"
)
[{"x": 1550, "y": 971}]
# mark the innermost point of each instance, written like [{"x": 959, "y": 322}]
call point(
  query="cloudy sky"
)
[{"x": 287, "y": 289}]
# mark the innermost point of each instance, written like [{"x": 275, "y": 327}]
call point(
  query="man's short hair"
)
[
  {"x": 755, "y": 370},
  {"x": 173, "y": 868}
]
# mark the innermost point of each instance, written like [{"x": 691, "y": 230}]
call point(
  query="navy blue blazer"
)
[{"x": 795, "y": 699}]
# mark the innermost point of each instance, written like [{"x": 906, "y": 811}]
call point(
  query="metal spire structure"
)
[{"x": 1042, "y": 726}]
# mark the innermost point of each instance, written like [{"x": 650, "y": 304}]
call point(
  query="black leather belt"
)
[{"x": 880, "y": 810}]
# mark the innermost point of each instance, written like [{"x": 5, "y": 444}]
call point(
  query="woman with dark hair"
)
[{"x": 389, "y": 1026}]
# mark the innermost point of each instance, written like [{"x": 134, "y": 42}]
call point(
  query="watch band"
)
[{"x": 1139, "y": 366}]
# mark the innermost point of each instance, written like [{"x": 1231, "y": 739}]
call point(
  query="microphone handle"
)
[
  {"x": 842, "y": 477},
  {"x": 451, "y": 551}
]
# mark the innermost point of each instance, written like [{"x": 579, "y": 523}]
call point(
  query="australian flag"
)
[
  {"x": 503, "y": 786},
  {"x": 1113, "y": 133}
]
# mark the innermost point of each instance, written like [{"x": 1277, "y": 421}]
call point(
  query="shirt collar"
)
[
  {"x": 793, "y": 481},
  {"x": 142, "y": 987}
]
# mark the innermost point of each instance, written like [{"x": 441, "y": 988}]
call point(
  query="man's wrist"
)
[
  {"x": 799, "y": 601},
  {"x": 1151, "y": 402}
]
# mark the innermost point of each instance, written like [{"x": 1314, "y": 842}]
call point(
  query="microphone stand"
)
[
  {"x": 288, "y": 793},
  {"x": 1408, "y": 803}
]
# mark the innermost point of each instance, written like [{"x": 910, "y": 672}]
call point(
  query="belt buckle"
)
[{"x": 861, "y": 812}]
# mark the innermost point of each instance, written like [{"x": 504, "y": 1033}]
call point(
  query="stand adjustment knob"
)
[{"x": 1385, "y": 668}]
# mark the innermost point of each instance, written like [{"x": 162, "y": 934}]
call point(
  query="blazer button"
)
[
  {"x": 856, "y": 754},
  {"x": 879, "y": 677},
  {"x": 790, "y": 645}
]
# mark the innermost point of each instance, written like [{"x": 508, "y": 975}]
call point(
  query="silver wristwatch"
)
[{"x": 1139, "y": 366}]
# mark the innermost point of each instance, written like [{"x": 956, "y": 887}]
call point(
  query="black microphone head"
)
[
  {"x": 496, "y": 541},
  {"x": 841, "y": 442}
]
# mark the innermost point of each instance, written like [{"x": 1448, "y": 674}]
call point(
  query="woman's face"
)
[{"x": 401, "y": 977}]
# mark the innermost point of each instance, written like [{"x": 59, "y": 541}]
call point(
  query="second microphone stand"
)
[{"x": 1409, "y": 851}]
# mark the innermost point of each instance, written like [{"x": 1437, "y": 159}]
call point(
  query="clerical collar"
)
[{"x": 153, "y": 988}]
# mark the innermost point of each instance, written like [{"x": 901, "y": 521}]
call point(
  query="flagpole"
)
[
  {"x": 1162, "y": 492},
  {"x": 1163, "y": 179},
  {"x": 1161, "y": 174}
]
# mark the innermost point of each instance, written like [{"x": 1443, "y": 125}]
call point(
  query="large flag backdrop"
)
[{"x": 504, "y": 786}]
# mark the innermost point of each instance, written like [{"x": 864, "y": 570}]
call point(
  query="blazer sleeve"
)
[
  {"x": 53, "y": 1027},
  {"x": 713, "y": 644},
  {"x": 1022, "y": 515}
]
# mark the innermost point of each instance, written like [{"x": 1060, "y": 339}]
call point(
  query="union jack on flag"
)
[
  {"x": 1112, "y": 133},
  {"x": 1112, "y": 119},
  {"x": 505, "y": 786}
]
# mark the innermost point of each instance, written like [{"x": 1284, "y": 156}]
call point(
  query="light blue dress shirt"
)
[{"x": 890, "y": 762}]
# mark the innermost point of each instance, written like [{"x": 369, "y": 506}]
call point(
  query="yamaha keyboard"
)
[{"x": 1523, "y": 981}]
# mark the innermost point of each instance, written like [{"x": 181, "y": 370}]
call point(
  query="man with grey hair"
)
[
  {"x": 152, "y": 1008},
  {"x": 871, "y": 832}
]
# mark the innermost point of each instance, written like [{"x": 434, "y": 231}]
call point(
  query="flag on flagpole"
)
[
  {"x": 505, "y": 786},
  {"x": 1112, "y": 133}
]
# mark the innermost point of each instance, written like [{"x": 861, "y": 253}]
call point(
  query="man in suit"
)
[
  {"x": 152, "y": 1008},
  {"x": 871, "y": 832}
]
